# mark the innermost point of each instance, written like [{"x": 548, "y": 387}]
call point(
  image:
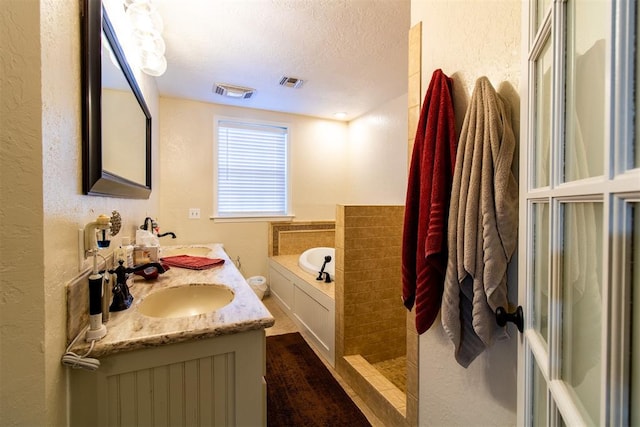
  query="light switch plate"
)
[{"x": 194, "y": 213}]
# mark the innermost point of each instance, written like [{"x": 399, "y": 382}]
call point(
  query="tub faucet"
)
[
  {"x": 320, "y": 273},
  {"x": 327, "y": 277},
  {"x": 168, "y": 233}
]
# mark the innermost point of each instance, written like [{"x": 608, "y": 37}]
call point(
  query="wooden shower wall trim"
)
[
  {"x": 414, "y": 93},
  {"x": 414, "y": 89}
]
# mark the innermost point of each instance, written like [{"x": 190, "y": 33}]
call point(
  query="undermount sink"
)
[
  {"x": 193, "y": 251},
  {"x": 183, "y": 301}
]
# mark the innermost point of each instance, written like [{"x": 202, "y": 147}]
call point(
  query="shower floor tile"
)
[{"x": 395, "y": 370}]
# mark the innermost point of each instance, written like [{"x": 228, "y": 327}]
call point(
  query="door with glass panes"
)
[{"x": 579, "y": 277}]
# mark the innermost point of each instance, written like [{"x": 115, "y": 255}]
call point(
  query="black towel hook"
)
[{"x": 517, "y": 317}]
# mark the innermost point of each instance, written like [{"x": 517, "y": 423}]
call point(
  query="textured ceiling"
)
[{"x": 352, "y": 54}]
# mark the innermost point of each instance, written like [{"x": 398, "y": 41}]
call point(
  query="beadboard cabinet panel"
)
[{"x": 213, "y": 382}]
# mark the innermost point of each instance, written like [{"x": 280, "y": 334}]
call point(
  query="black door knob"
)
[{"x": 517, "y": 317}]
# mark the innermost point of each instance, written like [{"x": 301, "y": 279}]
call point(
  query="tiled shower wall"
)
[
  {"x": 391, "y": 406},
  {"x": 371, "y": 320},
  {"x": 293, "y": 238}
]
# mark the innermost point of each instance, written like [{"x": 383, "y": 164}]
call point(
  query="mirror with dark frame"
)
[{"x": 116, "y": 122}]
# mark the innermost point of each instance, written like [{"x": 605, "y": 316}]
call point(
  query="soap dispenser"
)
[
  {"x": 122, "y": 298},
  {"x": 128, "y": 251}
]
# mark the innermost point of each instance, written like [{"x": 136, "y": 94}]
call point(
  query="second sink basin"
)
[{"x": 183, "y": 301}]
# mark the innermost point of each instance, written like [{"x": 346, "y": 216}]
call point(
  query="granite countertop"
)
[
  {"x": 290, "y": 262},
  {"x": 130, "y": 330}
]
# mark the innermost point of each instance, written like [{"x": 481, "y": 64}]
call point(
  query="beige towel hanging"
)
[{"x": 483, "y": 223}]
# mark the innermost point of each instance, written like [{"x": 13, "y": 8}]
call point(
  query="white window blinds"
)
[{"x": 252, "y": 170}]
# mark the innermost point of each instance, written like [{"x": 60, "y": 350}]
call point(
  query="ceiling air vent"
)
[
  {"x": 291, "y": 82},
  {"x": 232, "y": 91}
]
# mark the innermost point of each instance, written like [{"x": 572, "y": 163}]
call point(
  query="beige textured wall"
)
[
  {"x": 22, "y": 295},
  {"x": 41, "y": 205},
  {"x": 318, "y": 169},
  {"x": 369, "y": 154},
  {"x": 469, "y": 39},
  {"x": 377, "y": 155}
]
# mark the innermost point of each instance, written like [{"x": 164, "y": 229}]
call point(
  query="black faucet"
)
[
  {"x": 320, "y": 274},
  {"x": 327, "y": 277},
  {"x": 148, "y": 224},
  {"x": 168, "y": 233},
  {"x": 122, "y": 298}
]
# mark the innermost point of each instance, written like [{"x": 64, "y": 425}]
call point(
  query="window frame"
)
[{"x": 288, "y": 196}]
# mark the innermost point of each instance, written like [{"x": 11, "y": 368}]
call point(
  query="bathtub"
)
[{"x": 312, "y": 259}]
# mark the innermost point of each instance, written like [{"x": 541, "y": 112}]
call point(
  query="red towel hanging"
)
[{"x": 424, "y": 242}]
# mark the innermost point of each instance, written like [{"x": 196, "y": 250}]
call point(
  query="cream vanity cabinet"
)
[
  {"x": 311, "y": 309},
  {"x": 210, "y": 382}
]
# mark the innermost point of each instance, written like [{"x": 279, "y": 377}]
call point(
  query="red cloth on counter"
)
[
  {"x": 192, "y": 262},
  {"x": 424, "y": 240}
]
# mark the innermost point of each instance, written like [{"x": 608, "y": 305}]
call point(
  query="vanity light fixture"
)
[{"x": 147, "y": 35}]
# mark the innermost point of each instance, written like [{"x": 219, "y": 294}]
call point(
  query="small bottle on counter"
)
[
  {"x": 145, "y": 254},
  {"x": 119, "y": 254},
  {"x": 128, "y": 251}
]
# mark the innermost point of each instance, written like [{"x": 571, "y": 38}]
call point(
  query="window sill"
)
[{"x": 251, "y": 218}]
